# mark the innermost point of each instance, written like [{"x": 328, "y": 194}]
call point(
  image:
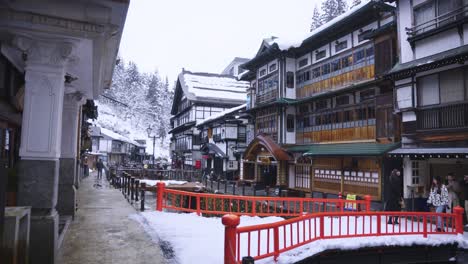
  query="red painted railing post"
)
[
  {"x": 458, "y": 211},
  {"x": 301, "y": 207},
  {"x": 276, "y": 241},
  {"x": 230, "y": 233},
  {"x": 254, "y": 207},
  {"x": 322, "y": 227},
  {"x": 379, "y": 225},
  {"x": 368, "y": 200},
  {"x": 424, "y": 226},
  {"x": 198, "y": 205},
  {"x": 160, "y": 186}
]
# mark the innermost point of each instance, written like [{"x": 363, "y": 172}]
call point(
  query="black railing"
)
[
  {"x": 447, "y": 116},
  {"x": 442, "y": 20}
]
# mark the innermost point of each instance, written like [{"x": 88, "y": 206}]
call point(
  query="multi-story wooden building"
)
[
  {"x": 223, "y": 139},
  {"x": 322, "y": 110},
  {"x": 431, "y": 88},
  {"x": 197, "y": 97}
]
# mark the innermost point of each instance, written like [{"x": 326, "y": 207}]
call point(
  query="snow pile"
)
[
  {"x": 167, "y": 182},
  {"x": 203, "y": 238}
]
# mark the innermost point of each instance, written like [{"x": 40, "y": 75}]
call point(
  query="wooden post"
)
[
  {"x": 243, "y": 188},
  {"x": 137, "y": 185},
  {"x": 458, "y": 211},
  {"x": 218, "y": 185},
  {"x": 424, "y": 226},
  {"x": 160, "y": 193},
  {"x": 132, "y": 188},
  {"x": 379, "y": 225},
  {"x": 368, "y": 200},
  {"x": 225, "y": 186},
  {"x": 143, "y": 188},
  {"x": 254, "y": 189},
  {"x": 230, "y": 236},
  {"x": 234, "y": 188}
]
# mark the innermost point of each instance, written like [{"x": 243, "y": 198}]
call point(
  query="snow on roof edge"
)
[{"x": 220, "y": 114}]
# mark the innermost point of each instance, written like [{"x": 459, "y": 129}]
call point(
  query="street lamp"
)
[{"x": 149, "y": 130}]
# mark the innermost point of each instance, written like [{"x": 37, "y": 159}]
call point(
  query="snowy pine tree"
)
[
  {"x": 332, "y": 9},
  {"x": 355, "y": 3},
  {"x": 316, "y": 19}
]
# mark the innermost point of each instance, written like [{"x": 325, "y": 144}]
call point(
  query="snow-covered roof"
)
[
  {"x": 119, "y": 137},
  {"x": 220, "y": 114},
  {"x": 206, "y": 86},
  {"x": 295, "y": 40}
]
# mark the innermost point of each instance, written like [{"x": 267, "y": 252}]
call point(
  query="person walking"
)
[
  {"x": 465, "y": 190},
  {"x": 453, "y": 188},
  {"x": 99, "y": 167},
  {"x": 439, "y": 199},
  {"x": 394, "y": 198}
]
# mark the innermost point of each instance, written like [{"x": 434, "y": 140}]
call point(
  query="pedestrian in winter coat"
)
[
  {"x": 99, "y": 167},
  {"x": 439, "y": 199},
  {"x": 394, "y": 197},
  {"x": 453, "y": 188},
  {"x": 465, "y": 189}
]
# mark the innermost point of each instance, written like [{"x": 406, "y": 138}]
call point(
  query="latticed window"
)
[
  {"x": 415, "y": 175},
  {"x": 303, "y": 171}
]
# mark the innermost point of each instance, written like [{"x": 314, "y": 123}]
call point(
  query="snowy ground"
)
[{"x": 194, "y": 237}]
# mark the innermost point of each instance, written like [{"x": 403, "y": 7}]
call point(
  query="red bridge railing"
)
[
  {"x": 270, "y": 240},
  {"x": 216, "y": 204}
]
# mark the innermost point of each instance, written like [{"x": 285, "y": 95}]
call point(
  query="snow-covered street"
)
[{"x": 194, "y": 237}]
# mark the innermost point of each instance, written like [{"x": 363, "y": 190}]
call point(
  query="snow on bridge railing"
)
[
  {"x": 270, "y": 240},
  {"x": 217, "y": 204}
]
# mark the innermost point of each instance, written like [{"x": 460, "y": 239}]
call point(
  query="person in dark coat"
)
[
  {"x": 394, "y": 197},
  {"x": 99, "y": 167}
]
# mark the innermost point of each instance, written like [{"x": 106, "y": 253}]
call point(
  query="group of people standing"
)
[{"x": 443, "y": 196}]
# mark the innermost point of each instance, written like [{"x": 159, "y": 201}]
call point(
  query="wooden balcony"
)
[
  {"x": 443, "y": 117},
  {"x": 438, "y": 24}
]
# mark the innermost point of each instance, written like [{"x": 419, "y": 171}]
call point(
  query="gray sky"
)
[{"x": 205, "y": 35}]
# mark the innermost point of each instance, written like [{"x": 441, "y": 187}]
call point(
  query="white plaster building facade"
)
[
  {"x": 66, "y": 51},
  {"x": 431, "y": 89}
]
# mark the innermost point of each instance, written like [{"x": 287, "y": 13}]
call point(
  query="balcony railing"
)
[
  {"x": 440, "y": 117},
  {"x": 267, "y": 97},
  {"x": 442, "y": 20}
]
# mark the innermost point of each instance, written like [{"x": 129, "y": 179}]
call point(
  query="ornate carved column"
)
[
  {"x": 41, "y": 139},
  {"x": 66, "y": 203}
]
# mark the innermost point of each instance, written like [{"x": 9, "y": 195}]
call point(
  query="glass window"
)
[
  {"x": 451, "y": 86},
  {"x": 423, "y": 14},
  {"x": 428, "y": 90},
  {"x": 335, "y": 65},
  {"x": 367, "y": 94},
  {"x": 303, "y": 62},
  {"x": 290, "y": 79},
  {"x": 306, "y": 75},
  {"x": 326, "y": 68},
  {"x": 262, "y": 72},
  {"x": 339, "y": 46},
  {"x": 290, "y": 123},
  {"x": 273, "y": 67},
  {"x": 316, "y": 72},
  {"x": 342, "y": 100},
  {"x": 322, "y": 104},
  {"x": 359, "y": 56},
  {"x": 361, "y": 35},
  {"x": 320, "y": 54}
]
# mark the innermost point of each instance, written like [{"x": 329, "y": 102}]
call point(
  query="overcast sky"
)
[{"x": 205, "y": 35}]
